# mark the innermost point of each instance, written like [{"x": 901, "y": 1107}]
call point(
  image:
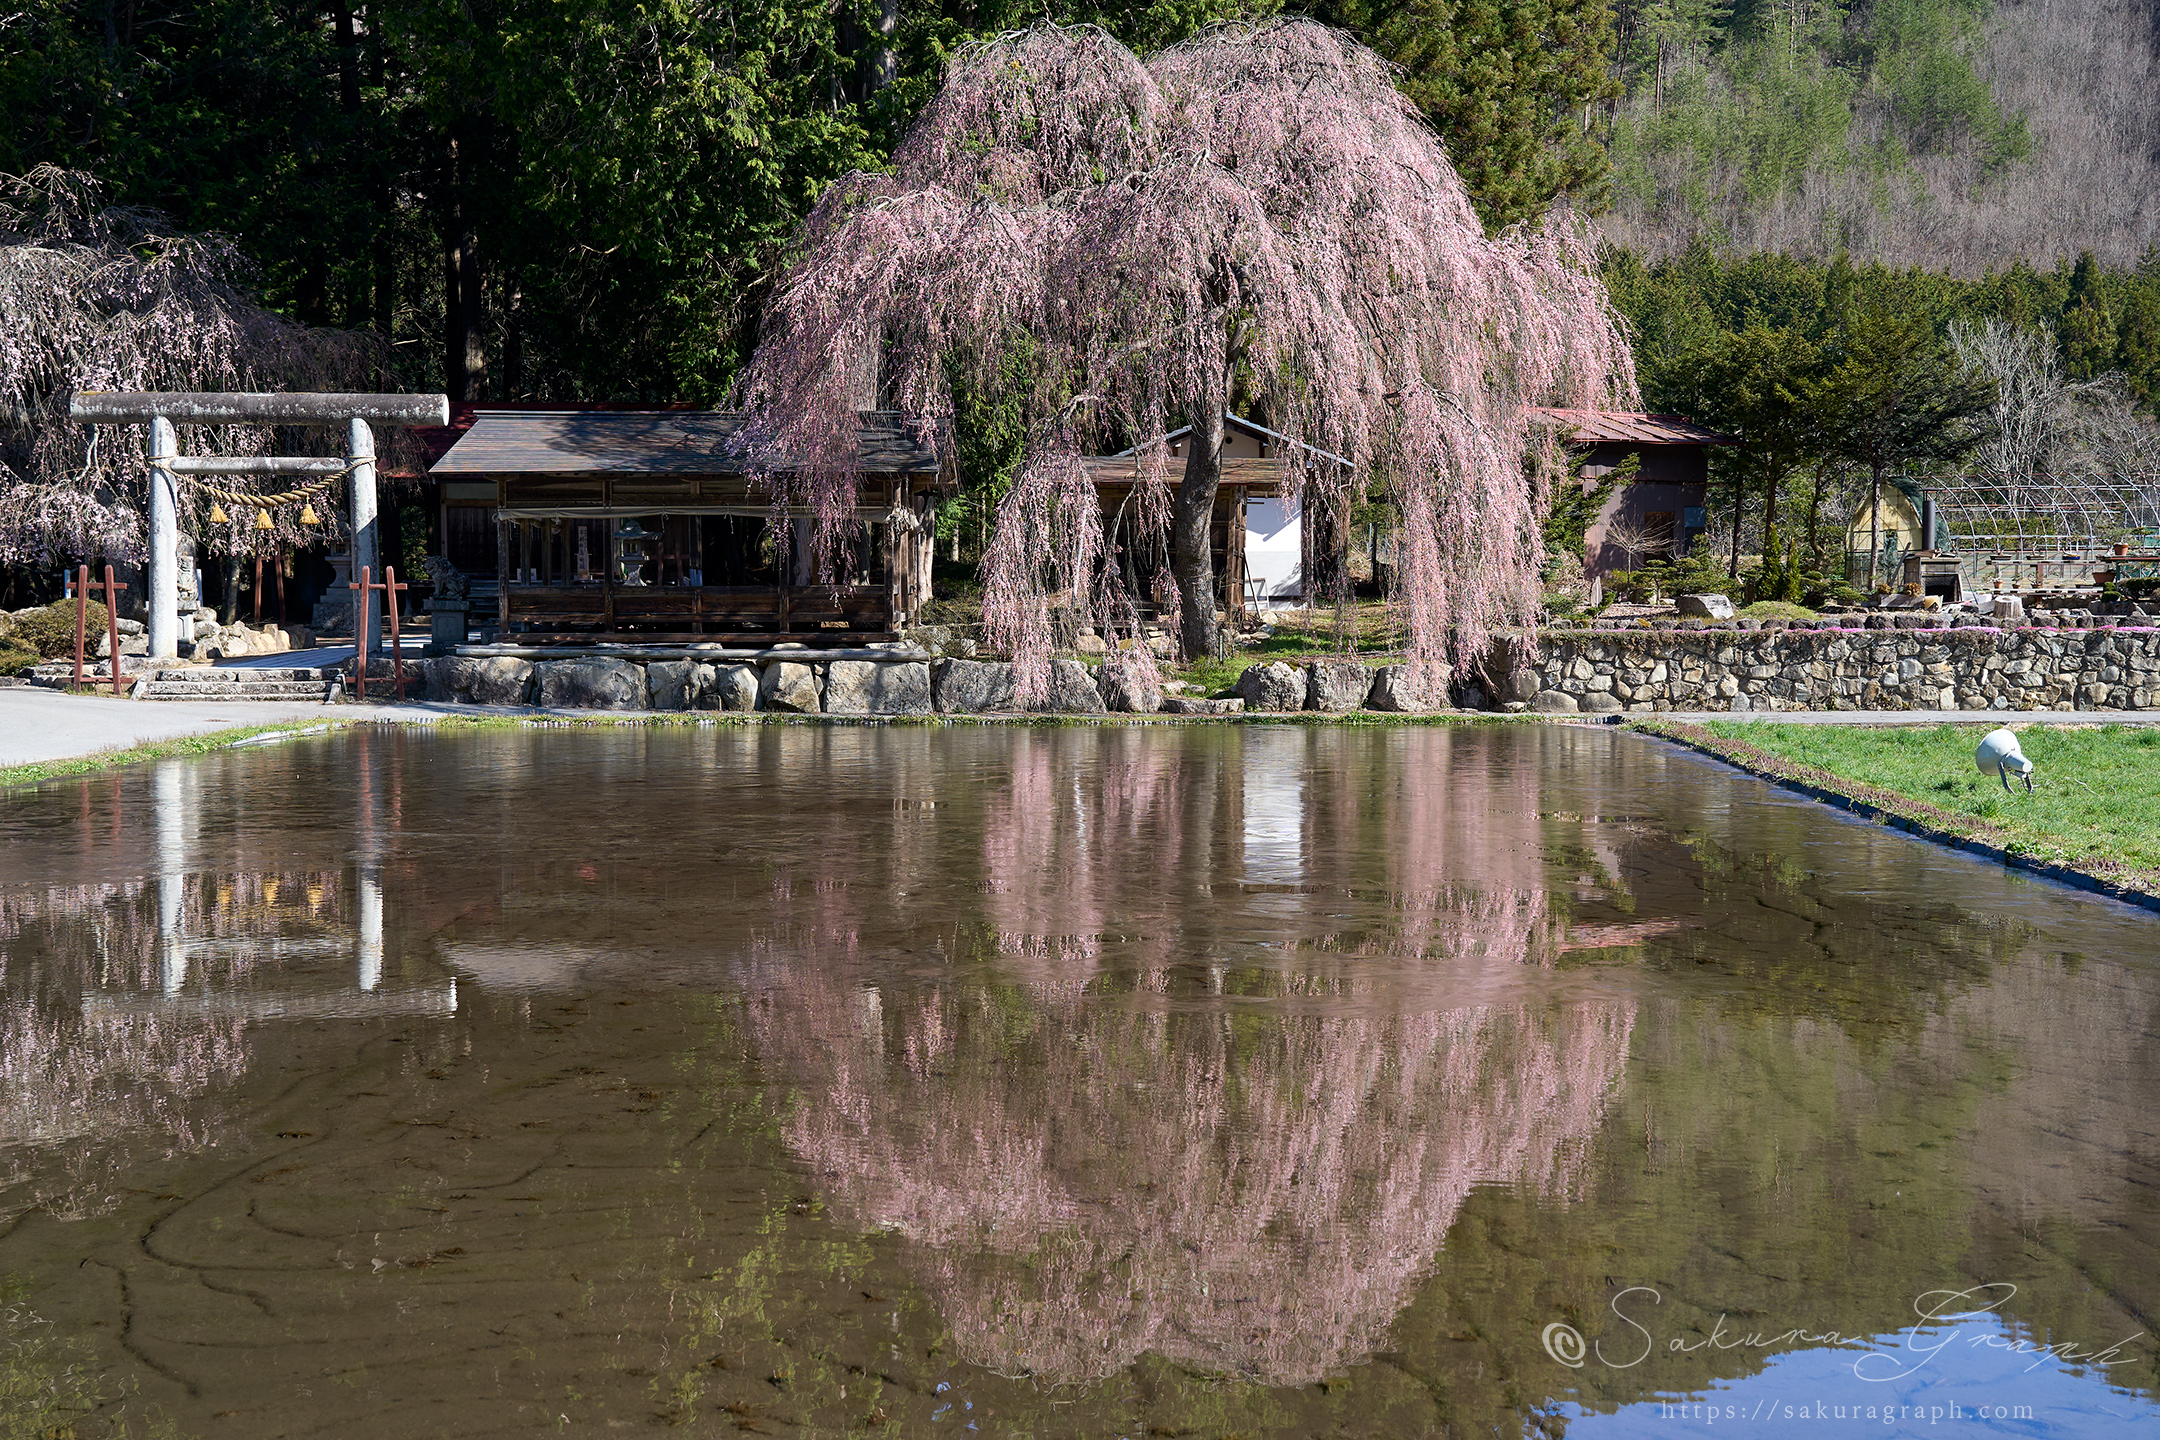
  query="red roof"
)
[{"x": 1629, "y": 427}]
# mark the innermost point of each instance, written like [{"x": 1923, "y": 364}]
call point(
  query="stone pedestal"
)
[{"x": 446, "y": 625}]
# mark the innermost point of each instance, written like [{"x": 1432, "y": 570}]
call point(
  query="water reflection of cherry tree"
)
[
  {"x": 1115, "y": 1127},
  {"x": 81, "y": 1069},
  {"x": 1084, "y": 1175}
]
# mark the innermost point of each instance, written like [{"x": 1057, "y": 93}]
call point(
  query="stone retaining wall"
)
[
  {"x": 803, "y": 686},
  {"x": 1592, "y": 672},
  {"x": 1905, "y": 669}
]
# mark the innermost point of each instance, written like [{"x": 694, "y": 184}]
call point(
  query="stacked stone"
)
[{"x": 1901, "y": 669}]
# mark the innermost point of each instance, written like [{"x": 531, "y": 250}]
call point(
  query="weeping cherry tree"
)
[
  {"x": 95, "y": 298},
  {"x": 1255, "y": 216}
]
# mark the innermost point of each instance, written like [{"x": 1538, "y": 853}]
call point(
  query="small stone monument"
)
[
  {"x": 448, "y": 607},
  {"x": 1705, "y": 607}
]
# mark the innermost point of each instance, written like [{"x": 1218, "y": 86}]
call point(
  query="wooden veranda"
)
[{"x": 640, "y": 526}]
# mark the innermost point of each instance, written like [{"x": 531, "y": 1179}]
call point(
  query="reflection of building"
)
[
  {"x": 130, "y": 1003},
  {"x": 1660, "y": 511}
]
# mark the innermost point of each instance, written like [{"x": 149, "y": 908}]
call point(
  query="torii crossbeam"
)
[{"x": 161, "y": 410}]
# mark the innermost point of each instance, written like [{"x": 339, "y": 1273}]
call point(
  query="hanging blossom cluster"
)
[
  {"x": 1254, "y": 215},
  {"x": 95, "y": 298}
]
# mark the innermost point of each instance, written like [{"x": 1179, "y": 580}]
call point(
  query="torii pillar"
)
[{"x": 162, "y": 410}]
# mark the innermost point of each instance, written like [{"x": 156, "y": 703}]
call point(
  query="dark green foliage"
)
[
  {"x": 51, "y": 631},
  {"x": 1694, "y": 574},
  {"x": 1575, "y": 508},
  {"x": 1511, "y": 88},
  {"x": 533, "y": 200}
]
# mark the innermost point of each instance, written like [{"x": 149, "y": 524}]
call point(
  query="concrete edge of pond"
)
[{"x": 1885, "y": 807}]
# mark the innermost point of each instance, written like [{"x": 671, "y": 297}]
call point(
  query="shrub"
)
[
  {"x": 1689, "y": 575},
  {"x": 51, "y": 631},
  {"x": 14, "y": 658}
]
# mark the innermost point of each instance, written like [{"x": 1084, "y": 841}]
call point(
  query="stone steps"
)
[
  {"x": 269, "y": 682},
  {"x": 290, "y": 690}
]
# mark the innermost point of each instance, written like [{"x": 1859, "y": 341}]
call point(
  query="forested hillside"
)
[
  {"x": 1946, "y": 134},
  {"x": 584, "y": 200}
]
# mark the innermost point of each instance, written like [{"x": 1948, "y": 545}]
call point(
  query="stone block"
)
[
  {"x": 1554, "y": 702},
  {"x": 1336, "y": 685},
  {"x": 501, "y": 680},
  {"x": 1129, "y": 685},
  {"x": 1704, "y": 607},
  {"x": 1277, "y": 686},
  {"x": 591, "y": 683},
  {"x": 673, "y": 684},
  {"x": 1393, "y": 691},
  {"x": 790, "y": 687},
  {"x": 1600, "y": 704},
  {"x": 1072, "y": 691},
  {"x": 443, "y": 678},
  {"x": 972, "y": 687},
  {"x": 1191, "y": 705},
  {"x": 730, "y": 687},
  {"x": 870, "y": 687}
]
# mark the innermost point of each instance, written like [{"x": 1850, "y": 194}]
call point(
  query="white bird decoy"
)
[{"x": 1999, "y": 754}]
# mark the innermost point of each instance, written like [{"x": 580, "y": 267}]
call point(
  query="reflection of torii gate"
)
[
  {"x": 161, "y": 410},
  {"x": 175, "y": 843}
]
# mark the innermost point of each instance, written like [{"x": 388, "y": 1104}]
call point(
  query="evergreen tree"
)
[
  {"x": 1755, "y": 384},
  {"x": 1892, "y": 399},
  {"x": 1513, "y": 87},
  {"x": 2086, "y": 328}
]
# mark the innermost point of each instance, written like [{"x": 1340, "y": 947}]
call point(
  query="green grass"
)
[
  {"x": 1776, "y": 610},
  {"x": 2096, "y": 789}
]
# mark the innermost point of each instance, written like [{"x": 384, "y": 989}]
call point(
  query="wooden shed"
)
[
  {"x": 1662, "y": 511},
  {"x": 640, "y": 525}
]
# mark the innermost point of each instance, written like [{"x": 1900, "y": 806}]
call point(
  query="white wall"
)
[{"x": 1275, "y": 548}]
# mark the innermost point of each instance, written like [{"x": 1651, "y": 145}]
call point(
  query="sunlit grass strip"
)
[
  {"x": 2088, "y": 825},
  {"x": 203, "y": 744}
]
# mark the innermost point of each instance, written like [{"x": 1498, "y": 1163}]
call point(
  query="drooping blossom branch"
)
[
  {"x": 96, "y": 298},
  {"x": 1255, "y": 215}
]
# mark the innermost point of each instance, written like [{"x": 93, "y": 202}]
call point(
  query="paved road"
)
[{"x": 38, "y": 725}]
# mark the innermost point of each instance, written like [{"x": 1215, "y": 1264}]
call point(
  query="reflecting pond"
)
[{"x": 1153, "y": 1081}]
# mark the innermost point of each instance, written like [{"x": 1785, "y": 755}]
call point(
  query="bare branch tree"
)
[{"x": 97, "y": 299}]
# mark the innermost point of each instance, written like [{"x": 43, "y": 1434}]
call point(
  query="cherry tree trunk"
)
[{"x": 1192, "y": 522}]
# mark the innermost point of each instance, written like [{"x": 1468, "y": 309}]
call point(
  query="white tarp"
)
[{"x": 1275, "y": 549}]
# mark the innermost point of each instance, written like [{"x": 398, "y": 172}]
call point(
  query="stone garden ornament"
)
[{"x": 1999, "y": 755}]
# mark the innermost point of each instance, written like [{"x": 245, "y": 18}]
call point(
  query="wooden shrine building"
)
[{"x": 639, "y": 525}]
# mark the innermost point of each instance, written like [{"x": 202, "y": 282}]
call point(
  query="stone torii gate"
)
[{"x": 161, "y": 410}]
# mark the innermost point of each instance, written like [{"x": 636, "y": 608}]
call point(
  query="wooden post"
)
[
  {"x": 502, "y": 581},
  {"x": 277, "y": 573},
  {"x": 258, "y": 589},
  {"x": 360, "y": 589},
  {"x": 390, "y": 588},
  {"x": 112, "y": 625},
  {"x": 82, "y": 618}
]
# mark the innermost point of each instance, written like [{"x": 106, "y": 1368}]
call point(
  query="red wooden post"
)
[
  {"x": 390, "y": 588},
  {"x": 258, "y": 589},
  {"x": 360, "y": 589},
  {"x": 82, "y": 618},
  {"x": 112, "y": 625}
]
